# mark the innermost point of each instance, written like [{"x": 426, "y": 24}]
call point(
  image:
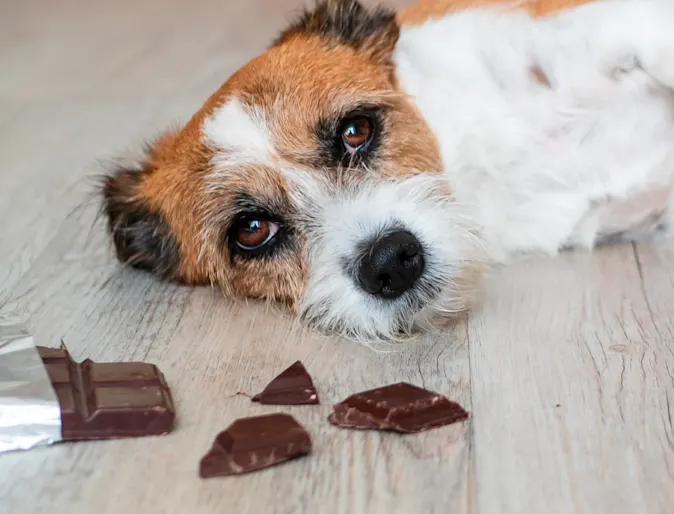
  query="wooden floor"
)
[{"x": 567, "y": 367}]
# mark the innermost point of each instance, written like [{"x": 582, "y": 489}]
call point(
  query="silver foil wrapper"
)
[{"x": 29, "y": 409}]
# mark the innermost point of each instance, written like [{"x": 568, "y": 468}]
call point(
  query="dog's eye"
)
[
  {"x": 356, "y": 132},
  {"x": 252, "y": 234}
]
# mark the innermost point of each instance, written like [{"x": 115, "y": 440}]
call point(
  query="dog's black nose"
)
[{"x": 391, "y": 265}]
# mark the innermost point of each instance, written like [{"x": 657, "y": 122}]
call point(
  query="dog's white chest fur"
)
[{"x": 543, "y": 166}]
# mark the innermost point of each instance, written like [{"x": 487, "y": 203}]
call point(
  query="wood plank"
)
[
  {"x": 572, "y": 383},
  {"x": 209, "y": 349},
  {"x": 51, "y": 156}
]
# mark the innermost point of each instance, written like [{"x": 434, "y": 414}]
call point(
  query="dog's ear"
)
[
  {"x": 373, "y": 30},
  {"x": 140, "y": 233}
]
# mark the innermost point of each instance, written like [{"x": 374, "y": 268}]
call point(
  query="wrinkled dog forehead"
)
[
  {"x": 279, "y": 129},
  {"x": 333, "y": 60},
  {"x": 286, "y": 106}
]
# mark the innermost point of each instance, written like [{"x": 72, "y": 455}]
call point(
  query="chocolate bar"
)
[
  {"x": 399, "y": 407},
  {"x": 108, "y": 400},
  {"x": 292, "y": 387},
  {"x": 254, "y": 443}
]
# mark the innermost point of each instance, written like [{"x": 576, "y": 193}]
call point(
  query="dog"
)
[{"x": 370, "y": 166}]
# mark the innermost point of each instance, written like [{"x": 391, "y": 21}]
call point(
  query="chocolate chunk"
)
[
  {"x": 111, "y": 400},
  {"x": 250, "y": 444},
  {"x": 400, "y": 407},
  {"x": 292, "y": 387}
]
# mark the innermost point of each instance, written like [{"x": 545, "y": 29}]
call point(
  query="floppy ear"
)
[
  {"x": 142, "y": 237},
  {"x": 373, "y": 30}
]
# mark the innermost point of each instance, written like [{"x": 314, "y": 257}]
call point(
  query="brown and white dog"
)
[{"x": 366, "y": 167}]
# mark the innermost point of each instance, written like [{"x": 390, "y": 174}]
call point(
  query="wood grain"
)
[
  {"x": 572, "y": 373},
  {"x": 83, "y": 81},
  {"x": 209, "y": 349}
]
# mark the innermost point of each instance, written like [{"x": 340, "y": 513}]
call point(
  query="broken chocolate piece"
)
[
  {"x": 292, "y": 387},
  {"x": 250, "y": 444},
  {"x": 400, "y": 407},
  {"x": 110, "y": 400}
]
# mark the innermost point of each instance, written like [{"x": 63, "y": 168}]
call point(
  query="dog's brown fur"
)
[
  {"x": 423, "y": 10},
  {"x": 162, "y": 214}
]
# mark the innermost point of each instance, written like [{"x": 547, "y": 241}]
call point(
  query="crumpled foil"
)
[{"x": 29, "y": 409}]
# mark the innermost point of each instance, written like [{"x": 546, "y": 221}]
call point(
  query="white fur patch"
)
[
  {"x": 238, "y": 134},
  {"x": 530, "y": 163},
  {"x": 339, "y": 221}
]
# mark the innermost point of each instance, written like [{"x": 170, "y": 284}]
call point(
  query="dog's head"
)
[{"x": 307, "y": 178}]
